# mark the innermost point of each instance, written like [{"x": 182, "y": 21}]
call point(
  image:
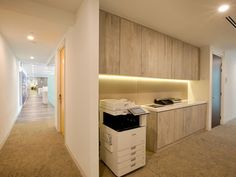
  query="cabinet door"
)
[
  {"x": 177, "y": 59},
  {"x": 190, "y": 62},
  {"x": 109, "y": 44},
  {"x": 165, "y": 128},
  {"x": 130, "y": 48},
  {"x": 187, "y": 64},
  {"x": 166, "y": 64},
  {"x": 150, "y": 59},
  {"x": 188, "y": 121},
  {"x": 199, "y": 117},
  {"x": 179, "y": 131},
  {"x": 202, "y": 116},
  {"x": 152, "y": 131},
  {"x": 195, "y": 118},
  {"x": 195, "y": 63}
]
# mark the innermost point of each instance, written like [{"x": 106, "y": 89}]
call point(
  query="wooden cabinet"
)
[
  {"x": 190, "y": 62},
  {"x": 130, "y": 48},
  {"x": 167, "y": 60},
  {"x": 188, "y": 121},
  {"x": 194, "y": 118},
  {"x": 195, "y": 58},
  {"x": 150, "y": 56},
  {"x": 179, "y": 128},
  {"x": 177, "y": 59},
  {"x": 109, "y": 44},
  {"x": 127, "y": 48},
  {"x": 156, "y": 54},
  {"x": 185, "y": 61},
  {"x": 164, "y": 128},
  {"x": 198, "y": 114},
  {"x": 151, "y": 134}
]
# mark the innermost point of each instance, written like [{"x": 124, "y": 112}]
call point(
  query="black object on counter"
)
[{"x": 164, "y": 101}]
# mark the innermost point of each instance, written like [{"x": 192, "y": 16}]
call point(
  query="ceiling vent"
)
[{"x": 231, "y": 21}]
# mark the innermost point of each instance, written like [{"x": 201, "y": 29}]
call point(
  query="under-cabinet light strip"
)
[{"x": 118, "y": 77}]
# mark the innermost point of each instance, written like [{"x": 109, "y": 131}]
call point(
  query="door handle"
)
[{"x": 59, "y": 97}]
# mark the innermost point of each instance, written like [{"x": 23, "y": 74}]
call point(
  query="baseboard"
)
[
  {"x": 75, "y": 161},
  {"x": 9, "y": 132},
  {"x": 226, "y": 120}
]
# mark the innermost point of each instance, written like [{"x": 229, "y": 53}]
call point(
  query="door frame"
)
[
  {"x": 58, "y": 83},
  {"x": 221, "y": 86},
  {"x": 221, "y": 54}
]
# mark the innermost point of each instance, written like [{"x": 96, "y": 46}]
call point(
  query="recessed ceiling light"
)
[
  {"x": 223, "y": 8},
  {"x": 30, "y": 37},
  {"x": 31, "y": 57}
]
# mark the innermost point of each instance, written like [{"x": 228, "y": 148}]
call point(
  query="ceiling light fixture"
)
[
  {"x": 30, "y": 37},
  {"x": 31, "y": 57},
  {"x": 223, "y": 8}
]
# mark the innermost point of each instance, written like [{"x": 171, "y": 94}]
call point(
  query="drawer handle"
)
[
  {"x": 133, "y": 159},
  {"x": 134, "y": 134},
  {"x": 133, "y": 147},
  {"x": 133, "y": 164},
  {"x": 133, "y": 153}
]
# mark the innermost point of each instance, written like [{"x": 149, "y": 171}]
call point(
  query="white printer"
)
[{"x": 122, "y": 135}]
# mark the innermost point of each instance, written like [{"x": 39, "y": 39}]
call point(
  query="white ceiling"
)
[
  {"x": 48, "y": 20},
  {"x": 193, "y": 21},
  {"x": 68, "y": 5},
  {"x": 39, "y": 70}
]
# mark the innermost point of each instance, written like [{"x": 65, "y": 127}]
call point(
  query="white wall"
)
[
  {"x": 81, "y": 88},
  {"x": 9, "y": 88},
  {"x": 201, "y": 90},
  {"x": 229, "y": 85}
]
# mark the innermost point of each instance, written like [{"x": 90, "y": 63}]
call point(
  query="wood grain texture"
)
[
  {"x": 130, "y": 48},
  {"x": 199, "y": 117},
  {"x": 165, "y": 128},
  {"x": 195, "y": 63},
  {"x": 203, "y": 116},
  {"x": 156, "y": 54},
  {"x": 187, "y": 63},
  {"x": 151, "y": 143},
  {"x": 179, "y": 130},
  {"x": 150, "y": 57},
  {"x": 188, "y": 121},
  {"x": 166, "y": 69},
  {"x": 190, "y": 62},
  {"x": 109, "y": 44},
  {"x": 177, "y": 59},
  {"x": 127, "y": 48}
]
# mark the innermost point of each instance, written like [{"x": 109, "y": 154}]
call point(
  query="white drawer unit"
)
[{"x": 123, "y": 151}]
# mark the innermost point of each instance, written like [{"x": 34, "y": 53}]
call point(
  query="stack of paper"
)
[{"x": 115, "y": 106}]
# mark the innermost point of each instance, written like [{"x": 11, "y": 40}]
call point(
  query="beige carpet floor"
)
[
  {"x": 34, "y": 147},
  {"x": 207, "y": 154}
]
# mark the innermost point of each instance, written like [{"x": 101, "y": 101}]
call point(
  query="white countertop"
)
[{"x": 173, "y": 106}]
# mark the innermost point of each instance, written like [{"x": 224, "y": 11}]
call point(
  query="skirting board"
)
[
  {"x": 75, "y": 161},
  {"x": 9, "y": 132},
  {"x": 222, "y": 122}
]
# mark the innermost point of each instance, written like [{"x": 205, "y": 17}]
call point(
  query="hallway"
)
[
  {"x": 34, "y": 147},
  {"x": 34, "y": 109}
]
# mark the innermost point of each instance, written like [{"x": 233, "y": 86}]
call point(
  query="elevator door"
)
[{"x": 216, "y": 91}]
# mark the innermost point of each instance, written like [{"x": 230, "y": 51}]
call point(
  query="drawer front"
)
[
  {"x": 131, "y": 138},
  {"x": 131, "y": 151},
  {"x": 130, "y": 156},
  {"x": 131, "y": 167},
  {"x": 131, "y": 161}
]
